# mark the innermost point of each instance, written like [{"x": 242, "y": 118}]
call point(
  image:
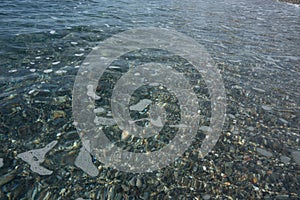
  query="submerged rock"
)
[{"x": 264, "y": 152}]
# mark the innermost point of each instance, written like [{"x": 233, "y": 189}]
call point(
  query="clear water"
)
[{"x": 255, "y": 44}]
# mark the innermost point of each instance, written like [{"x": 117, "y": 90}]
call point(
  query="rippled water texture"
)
[{"x": 256, "y": 46}]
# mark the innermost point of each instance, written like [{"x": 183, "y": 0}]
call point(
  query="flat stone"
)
[
  {"x": 285, "y": 159},
  {"x": 283, "y": 121},
  {"x": 264, "y": 152},
  {"x": 267, "y": 108},
  {"x": 296, "y": 156}
]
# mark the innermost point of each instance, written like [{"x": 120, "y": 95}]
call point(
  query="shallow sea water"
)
[{"x": 255, "y": 45}]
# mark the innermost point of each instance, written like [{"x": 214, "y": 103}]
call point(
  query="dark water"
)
[{"x": 256, "y": 46}]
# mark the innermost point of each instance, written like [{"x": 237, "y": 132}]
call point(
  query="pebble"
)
[
  {"x": 285, "y": 159},
  {"x": 32, "y": 70},
  {"x": 12, "y": 71},
  {"x": 79, "y": 54},
  {"x": 56, "y": 63},
  {"x": 266, "y": 108},
  {"x": 264, "y": 152},
  {"x": 99, "y": 110},
  {"x": 1, "y": 162},
  {"x": 283, "y": 121},
  {"x": 250, "y": 128},
  {"x": 138, "y": 183},
  {"x": 47, "y": 71},
  {"x": 296, "y": 156},
  {"x": 58, "y": 114},
  {"x": 52, "y": 32},
  {"x": 206, "y": 197},
  {"x": 231, "y": 116},
  {"x": 259, "y": 90},
  {"x": 60, "y": 72}
]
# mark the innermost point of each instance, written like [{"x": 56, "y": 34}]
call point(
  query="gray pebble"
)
[
  {"x": 264, "y": 152},
  {"x": 267, "y": 108},
  {"x": 285, "y": 159},
  {"x": 206, "y": 196},
  {"x": 296, "y": 156}
]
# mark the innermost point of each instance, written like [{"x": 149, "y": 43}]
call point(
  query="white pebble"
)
[
  {"x": 32, "y": 70},
  {"x": 56, "y": 63},
  {"x": 12, "y": 70},
  {"x": 60, "y": 72},
  {"x": 48, "y": 71},
  {"x": 52, "y": 32},
  {"x": 79, "y": 54}
]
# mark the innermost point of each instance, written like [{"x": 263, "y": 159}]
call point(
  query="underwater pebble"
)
[
  {"x": 79, "y": 54},
  {"x": 259, "y": 90},
  {"x": 32, "y": 70},
  {"x": 47, "y": 71},
  {"x": 264, "y": 152},
  {"x": 283, "y": 121},
  {"x": 231, "y": 116},
  {"x": 296, "y": 156},
  {"x": 56, "y": 63},
  {"x": 114, "y": 67},
  {"x": 58, "y": 114},
  {"x": 52, "y": 32},
  {"x": 285, "y": 159},
  {"x": 1, "y": 162},
  {"x": 206, "y": 197},
  {"x": 267, "y": 108},
  {"x": 60, "y": 72},
  {"x": 12, "y": 71},
  {"x": 99, "y": 110},
  {"x": 74, "y": 43}
]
